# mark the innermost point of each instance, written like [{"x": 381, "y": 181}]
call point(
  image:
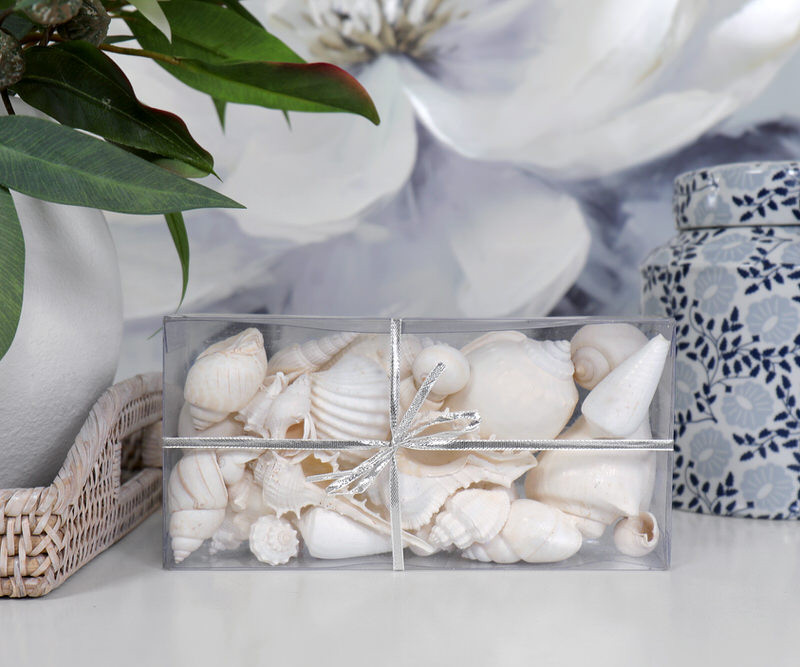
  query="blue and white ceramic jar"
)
[{"x": 731, "y": 280}]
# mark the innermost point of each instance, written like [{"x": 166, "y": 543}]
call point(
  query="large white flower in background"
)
[{"x": 480, "y": 100}]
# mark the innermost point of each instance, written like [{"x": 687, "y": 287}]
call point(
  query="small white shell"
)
[
  {"x": 292, "y": 406},
  {"x": 473, "y": 515},
  {"x": 522, "y": 388},
  {"x": 456, "y": 373},
  {"x": 225, "y": 377},
  {"x": 284, "y": 486},
  {"x": 309, "y": 356},
  {"x": 254, "y": 414},
  {"x": 228, "y": 536},
  {"x": 597, "y": 349},
  {"x": 226, "y": 428},
  {"x": 273, "y": 540},
  {"x": 377, "y": 348},
  {"x": 328, "y": 534},
  {"x": 620, "y": 403},
  {"x": 493, "y": 337},
  {"x": 534, "y": 532},
  {"x": 350, "y": 401},
  {"x": 637, "y": 535},
  {"x": 196, "y": 501}
]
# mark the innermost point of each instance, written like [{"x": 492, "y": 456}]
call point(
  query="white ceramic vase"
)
[{"x": 66, "y": 348}]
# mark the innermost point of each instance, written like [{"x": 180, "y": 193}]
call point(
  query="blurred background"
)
[{"x": 523, "y": 165}]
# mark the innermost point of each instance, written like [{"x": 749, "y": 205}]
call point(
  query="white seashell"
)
[
  {"x": 473, "y": 515},
  {"x": 226, "y": 428},
  {"x": 254, "y": 414},
  {"x": 232, "y": 463},
  {"x": 637, "y": 535},
  {"x": 228, "y": 536},
  {"x": 596, "y": 486},
  {"x": 522, "y": 388},
  {"x": 534, "y": 532},
  {"x": 597, "y": 349},
  {"x": 273, "y": 540},
  {"x": 377, "y": 347},
  {"x": 619, "y": 404},
  {"x": 350, "y": 401},
  {"x": 425, "y": 487},
  {"x": 196, "y": 500},
  {"x": 456, "y": 373},
  {"x": 406, "y": 390},
  {"x": 583, "y": 430},
  {"x": 225, "y": 377},
  {"x": 493, "y": 337},
  {"x": 292, "y": 406},
  {"x": 309, "y": 356},
  {"x": 328, "y": 534},
  {"x": 283, "y": 484}
]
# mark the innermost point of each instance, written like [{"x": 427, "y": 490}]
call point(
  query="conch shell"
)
[
  {"x": 350, "y": 401},
  {"x": 310, "y": 356},
  {"x": 254, "y": 414},
  {"x": 196, "y": 499},
  {"x": 225, "y": 377},
  {"x": 597, "y": 349},
  {"x": 534, "y": 532},
  {"x": 637, "y": 535},
  {"x": 288, "y": 408},
  {"x": 273, "y": 540},
  {"x": 225, "y": 428},
  {"x": 328, "y": 534},
  {"x": 469, "y": 516},
  {"x": 522, "y": 388}
]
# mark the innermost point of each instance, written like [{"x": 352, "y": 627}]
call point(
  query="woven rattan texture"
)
[{"x": 109, "y": 482}]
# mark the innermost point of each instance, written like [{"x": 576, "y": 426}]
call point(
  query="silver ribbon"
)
[{"x": 406, "y": 434}]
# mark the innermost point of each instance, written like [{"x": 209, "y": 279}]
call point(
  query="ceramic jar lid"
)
[{"x": 733, "y": 195}]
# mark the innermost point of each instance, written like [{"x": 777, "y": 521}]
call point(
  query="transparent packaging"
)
[{"x": 552, "y": 443}]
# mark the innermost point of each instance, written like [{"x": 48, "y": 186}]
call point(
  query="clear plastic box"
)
[{"x": 554, "y": 476}]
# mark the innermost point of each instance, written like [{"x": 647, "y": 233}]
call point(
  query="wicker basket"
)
[{"x": 110, "y": 481}]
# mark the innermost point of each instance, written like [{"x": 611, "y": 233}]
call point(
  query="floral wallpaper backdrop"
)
[{"x": 523, "y": 165}]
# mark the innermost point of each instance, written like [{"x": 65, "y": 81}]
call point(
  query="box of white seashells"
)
[{"x": 299, "y": 442}]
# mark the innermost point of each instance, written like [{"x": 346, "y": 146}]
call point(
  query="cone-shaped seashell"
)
[
  {"x": 196, "y": 499},
  {"x": 583, "y": 430},
  {"x": 637, "y": 535},
  {"x": 350, "y": 401},
  {"x": 456, "y": 373},
  {"x": 521, "y": 388},
  {"x": 328, "y": 534},
  {"x": 534, "y": 532},
  {"x": 273, "y": 540},
  {"x": 225, "y": 377},
  {"x": 619, "y": 404},
  {"x": 226, "y": 428},
  {"x": 254, "y": 414},
  {"x": 597, "y": 349},
  {"x": 596, "y": 486},
  {"x": 309, "y": 356},
  {"x": 425, "y": 487},
  {"x": 473, "y": 515},
  {"x": 292, "y": 406}
]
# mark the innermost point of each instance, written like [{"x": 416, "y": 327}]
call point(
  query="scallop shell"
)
[
  {"x": 225, "y": 377},
  {"x": 350, "y": 401},
  {"x": 196, "y": 501},
  {"x": 597, "y": 349},
  {"x": 309, "y": 356},
  {"x": 273, "y": 540},
  {"x": 620, "y": 403},
  {"x": 638, "y": 535},
  {"x": 254, "y": 414},
  {"x": 453, "y": 379},
  {"x": 473, "y": 515},
  {"x": 534, "y": 532},
  {"x": 522, "y": 388}
]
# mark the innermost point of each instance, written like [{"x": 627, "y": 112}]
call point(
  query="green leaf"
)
[
  {"x": 12, "y": 270},
  {"x": 17, "y": 24},
  {"x": 236, "y": 6},
  {"x": 219, "y": 105},
  {"x": 153, "y": 12},
  {"x": 181, "y": 241},
  {"x": 80, "y": 86},
  {"x": 212, "y": 34},
  {"x": 56, "y": 163},
  {"x": 117, "y": 39}
]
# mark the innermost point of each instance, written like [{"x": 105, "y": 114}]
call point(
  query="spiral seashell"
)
[
  {"x": 310, "y": 356},
  {"x": 225, "y": 428},
  {"x": 534, "y": 532},
  {"x": 196, "y": 500},
  {"x": 377, "y": 347},
  {"x": 350, "y": 401},
  {"x": 493, "y": 337},
  {"x": 620, "y": 403},
  {"x": 455, "y": 375},
  {"x": 232, "y": 463},
  {"x": 273, "y": 540},
  {"x": 292, "y": 406},
  {"x": 254, "y": 414},
  {"x": 225, "y": 377},
  {"x": 597, "y": 349},
  {"x": 638, "y": 535},
  {"x": 522, "y": 388},
  {"x": 283, "y": 484},
  {"x": 228, "y": 536},
  {"x": 473, "y": 515}
]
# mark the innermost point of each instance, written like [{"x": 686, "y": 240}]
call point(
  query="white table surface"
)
[{"x": 731, "y": 598}]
